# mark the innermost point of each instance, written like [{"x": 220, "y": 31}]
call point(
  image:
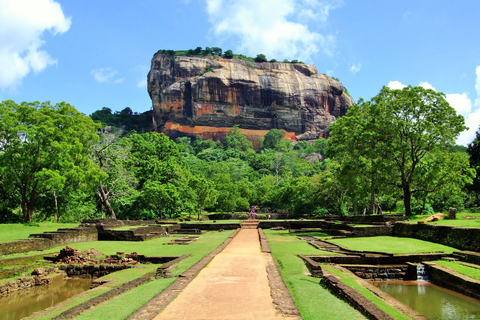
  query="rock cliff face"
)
[{"x": 207, "y": 96}]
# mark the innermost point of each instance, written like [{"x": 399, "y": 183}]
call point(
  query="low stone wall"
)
[
  {"x": 210, "y": 226},
  {"x": 376, "y": 272},
  {"x": 24, "y": 246},
  {"x": 27, "y": 282},
  {"x": 92, "y": 271},
  {"x": 44, "y": 241},
  {"x": 137, "y": 234},
  {"x": 452, "y": 280},
  {"x": 460, "y": 238},
  {"x": 375, "y": 260},
  {"x": 330, "y": 227},
  {"x": 468, "y": 256},
  {"x": 353, "y": 298}
]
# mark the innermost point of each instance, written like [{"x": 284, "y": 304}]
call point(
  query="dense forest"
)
[{"x": 394, "y": 153}]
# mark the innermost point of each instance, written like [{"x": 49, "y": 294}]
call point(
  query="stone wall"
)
[
  {"x": 210, "y": 226},
  {"x": 376, "y": 272},
  {"x": 24, "y": 246},
  {"x": 330, "y": 227},
  {"x": 141, "y": 233},
  {"x": 92, "y": 271},
  {"x": 460, "y": 238},
  {"x": 354, "y": 298},
  {"x": 27, "y": 282},
  {"x": 44, "y": 241},
  {"x": 452, "y": 280},
  {"x": 376, "y": 260}
]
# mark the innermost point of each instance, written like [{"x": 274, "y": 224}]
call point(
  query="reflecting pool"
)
[
  {"x": 20, "y": 304},
  {"x": 432, "y": 301}
]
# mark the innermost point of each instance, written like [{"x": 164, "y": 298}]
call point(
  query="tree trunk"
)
[
  {"x": 104, "y": 200},
  {"x": 407, "y": 200},
  {"x": 27, "y": 207},
  {"x": 372, "y": 198}
]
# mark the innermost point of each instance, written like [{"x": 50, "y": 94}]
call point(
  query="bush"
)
[
  {"x": 228, "y": 54},
  {"x": 261, "y": 58}
]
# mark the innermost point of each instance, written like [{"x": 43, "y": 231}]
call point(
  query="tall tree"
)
[
  {"x": 404, "y": 129},
  {"x": 43, "y": 147},
  {"x": 111, "y": 155}
]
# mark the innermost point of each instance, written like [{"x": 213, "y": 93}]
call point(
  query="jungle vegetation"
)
[{"x": 394, "y": 153}]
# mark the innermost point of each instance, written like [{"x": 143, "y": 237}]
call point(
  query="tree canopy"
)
[
  {"x": 45, "y": 148},
  {"x": 400, "y": 138}
]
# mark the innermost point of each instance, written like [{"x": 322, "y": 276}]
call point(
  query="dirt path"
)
[{"x": 233, "y": 286}]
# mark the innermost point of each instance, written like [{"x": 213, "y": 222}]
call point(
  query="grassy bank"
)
[
  {"x": 17, "y": 231},
  {"x": 311, "y": 299},
  {"x": 392, "y": 245}
]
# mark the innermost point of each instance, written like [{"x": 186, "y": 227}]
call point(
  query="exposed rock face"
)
[{"x": 207, "y": 96}]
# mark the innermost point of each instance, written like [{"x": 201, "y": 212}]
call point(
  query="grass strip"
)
[
  {"x": 312, "y": 300},
  {"x": 122, "y": 306},
  {"x": 392, "y": 245},
  {"x": 473, "y": 273},
  {"x": 351, "y": 282}
]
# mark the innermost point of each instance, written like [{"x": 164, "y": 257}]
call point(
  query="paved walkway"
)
[{"x": 233, "y": 286}]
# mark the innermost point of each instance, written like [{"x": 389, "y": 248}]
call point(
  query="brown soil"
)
[{"x": 233, "y": 286}]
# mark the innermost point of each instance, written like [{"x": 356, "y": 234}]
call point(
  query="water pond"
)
[
  {"x": 432, "y": 301},
  {"x": 18, "y": 305}
]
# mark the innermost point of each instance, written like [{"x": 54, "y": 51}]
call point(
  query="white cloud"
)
[
  {"x": 103, "y": 75},
  {"x": 22, "y": 24},
  {"x": 460, "y": 102},
  {"x": 472, "y": 120},
  {"x": 355, "y": 68},
  {"x": 396, "y": 85},
  {"x": 142, "y": 83},
  {"x": 277, "y": 28},
  {"x": 427, "y": 85}
]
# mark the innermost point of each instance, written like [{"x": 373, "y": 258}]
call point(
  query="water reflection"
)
[
  {"x": 432, "y": 301},
  {"x": 21, "y": 304}
]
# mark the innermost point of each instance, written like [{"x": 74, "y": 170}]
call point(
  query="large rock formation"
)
[{"x": 207, "y": 96}]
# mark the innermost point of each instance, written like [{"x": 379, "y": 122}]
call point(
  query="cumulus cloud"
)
[
  {"x": 396, "y": 85},
  {"x": 462, "y": 103},
  {"x": 276, "y": 28},
  {"x": 472, "y": 119},
  {"x": 355, "y": 68},
  {"x": 22, "y": 25},
  {"x": 103, "y": 75}
]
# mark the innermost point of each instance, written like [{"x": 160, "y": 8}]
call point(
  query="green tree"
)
[
  {"x": 237, "y": 140},
  {"x": 272, "y": 138},
  {"x": 205, "y": 193},
  {"x": 399, "y": 131},
  {"x": 260, "y": 58},
  {"x": 228, "y": 54},
  {"x": 110, "y": 154},
  {"x": 217, "y": 51},
  {"x": 44, "y": 148}
]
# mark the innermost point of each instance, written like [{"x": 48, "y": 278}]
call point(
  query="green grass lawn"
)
[
  {"x": 17, "y": 231},
  {"x": 392, "y": 245},
  {"x": 464, "y": 219},
  {"x": 473, "y": 273},
  {"x": 313, "y": 301}
]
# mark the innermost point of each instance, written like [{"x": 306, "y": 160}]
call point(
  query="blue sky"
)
[{"x": 95, "y": 54}]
